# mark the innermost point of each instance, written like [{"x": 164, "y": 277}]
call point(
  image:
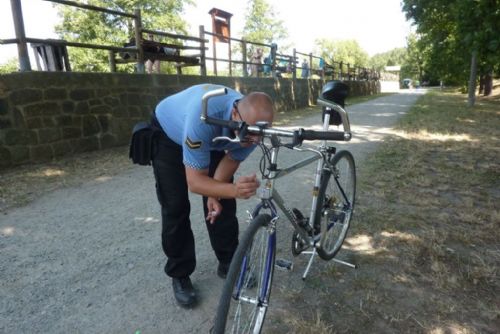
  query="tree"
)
[
  {"x": 9, "y": 66},
  {"x": 346, "y": 51},
  {"x": 458, "y": 33},
  {"x": 87, "y": 26},
  {"x": 262, "y": 24},
  {"x": 390, "y": 58}
]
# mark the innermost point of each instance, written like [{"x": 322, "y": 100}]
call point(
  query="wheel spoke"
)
[
  {"x": 337, "y": 196},
  {"x": 245, "y": 309}
]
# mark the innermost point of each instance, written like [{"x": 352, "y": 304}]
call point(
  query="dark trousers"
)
[{"x": 172, "y": 192}]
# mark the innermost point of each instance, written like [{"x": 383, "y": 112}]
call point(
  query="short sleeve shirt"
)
[{"x": 179, "y": 117}]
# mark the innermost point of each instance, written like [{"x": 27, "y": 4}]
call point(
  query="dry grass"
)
[
  {"x": 426, "y": 230},
  {"x": 21, "y": 185}
]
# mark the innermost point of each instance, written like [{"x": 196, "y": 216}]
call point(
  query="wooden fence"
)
[{"x": 255, "y": 59}]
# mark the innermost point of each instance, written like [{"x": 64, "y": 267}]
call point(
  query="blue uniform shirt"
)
[{"x": 179, "y": 117}]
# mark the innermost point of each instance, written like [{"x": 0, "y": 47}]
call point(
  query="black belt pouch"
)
[{"x": 142, "y": 143}]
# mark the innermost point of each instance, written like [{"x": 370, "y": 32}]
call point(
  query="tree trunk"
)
[
  {"x": 481, "y": 84},
  {"x": 472, "y": 79},
  {"x": 488, "y": 83}
]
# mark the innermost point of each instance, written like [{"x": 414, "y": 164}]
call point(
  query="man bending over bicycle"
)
[{"x": 186, "y": 158}]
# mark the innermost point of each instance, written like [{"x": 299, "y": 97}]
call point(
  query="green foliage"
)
[
  {"x": 262, "y": 24},
  {"x": 347, "y": 51},
  {"x": 393, "y": 57},
  {"x": 451, "y": 30},
  {"x": 87, "y": 26},
  {"x": 9, "y": 66}
]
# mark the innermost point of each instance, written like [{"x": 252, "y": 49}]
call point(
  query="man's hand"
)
[
  {"x": 246, "y": 186},
  {"x": 214, "y": 209}
]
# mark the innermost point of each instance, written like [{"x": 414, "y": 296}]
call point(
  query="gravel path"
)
[{"x": 88, "y": 259}]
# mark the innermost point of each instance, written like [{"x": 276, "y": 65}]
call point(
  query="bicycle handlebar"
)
[
  {"x": 343, "y": 114},
  {"x": 261, "y": 129}
]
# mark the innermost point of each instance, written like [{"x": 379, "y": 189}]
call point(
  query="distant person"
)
[
  {"x": 152, "y": 66},
  {"x": 256, "y": 60},
  {"x": 305, "y": 69},
  {"x": 321, "y": 67}
]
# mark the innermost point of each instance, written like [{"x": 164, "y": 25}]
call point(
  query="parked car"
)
[{"x": 407, "y": 83}]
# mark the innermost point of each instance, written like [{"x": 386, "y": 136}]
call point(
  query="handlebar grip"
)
[
  {"x": 220, "y": 122},
  {"x": 322, "y": 135}
]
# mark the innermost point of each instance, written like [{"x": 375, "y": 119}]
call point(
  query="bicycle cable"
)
[{"x": 264, "y": 160}]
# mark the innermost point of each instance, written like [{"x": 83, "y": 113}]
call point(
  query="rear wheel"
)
[
  {"x": 336, "y": 203},
  {"x": 245, "y": 295}
]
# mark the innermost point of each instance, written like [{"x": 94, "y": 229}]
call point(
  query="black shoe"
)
[
  {"x": 222, "y": 269},
  {"x": 184, "y": 291}
]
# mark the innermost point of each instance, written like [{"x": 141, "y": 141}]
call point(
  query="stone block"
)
[
  {"x": 108, "y": 141},
  {"x": 4, "y": 107},
  {"x": 55, "y": 94},
  {"x": 25, "y": 96},
  {"x": 20, "y": 137},
  {"x": 48, "y": 135},
  {"x": 82, "y": 108},
  {"x": 5, "y": 123},
  {"x": 5, "y": 157},
  {"x": 134, "y": 111},
  {"x": 19, "y": 154},
  {"x": 111, "y": 101},
  {"x": 81, "y": 94},
  {"x": 61, "y": 148},
  {"x": 95, "y": 102},
  {"x": 41, "y": 153},
  {"x": 49, "y": 122},
  {"x": 34, "y": 123},
  {"x": 19, "y": 120},
  {"x": 68, "y": 107},
  {"x": 71, "y": 132},
  {"x": 90, "y": 126},
  {"x": 44, "y": 108},
  {"x": 103, "y": 122},
  {"x": 101, "y": 109},
  {"x": 134, "y": 99},
  {"x": 64, "y": 120},
  {"x": 86, "y": 144}
]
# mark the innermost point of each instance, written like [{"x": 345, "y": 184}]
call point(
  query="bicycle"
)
[{"x": 246, "y": 292}]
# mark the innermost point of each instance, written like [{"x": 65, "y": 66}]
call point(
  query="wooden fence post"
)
[
  {"x": 112, "y": 61},
  {"x": 244, "y": 54},
  {"x": 22, "y": 47},
  {"x": 274, "y": 49},
  {"x": 138, "y": 41},
  {"x": 294, "y": 65},
  {"x": 310, "y": 64},
  {"x": 203, "y": 64}
]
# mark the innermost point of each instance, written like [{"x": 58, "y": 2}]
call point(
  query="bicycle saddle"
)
[{"x": 335, "y": 91}]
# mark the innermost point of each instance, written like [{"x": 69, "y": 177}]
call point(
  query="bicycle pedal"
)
[{"x": 284, "y": 264}]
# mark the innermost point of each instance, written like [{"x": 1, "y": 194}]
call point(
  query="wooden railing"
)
[
  {"x": 140, "y": 50},
  {"x": 133, "y": 52}
]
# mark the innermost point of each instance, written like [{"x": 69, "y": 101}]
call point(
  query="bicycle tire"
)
[
  {"x": 336, "y": 204},
  {"x": 239, "y": 290}
]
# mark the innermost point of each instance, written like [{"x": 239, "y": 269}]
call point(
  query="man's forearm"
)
[{"x": 210, "y": 187}]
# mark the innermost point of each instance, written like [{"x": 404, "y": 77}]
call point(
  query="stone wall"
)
[{"x": 44, "y": 115}]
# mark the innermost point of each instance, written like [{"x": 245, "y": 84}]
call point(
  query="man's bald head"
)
[{"x": 256, "y": 106}]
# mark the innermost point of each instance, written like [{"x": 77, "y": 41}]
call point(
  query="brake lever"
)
[{"x": 226, "y": 138}]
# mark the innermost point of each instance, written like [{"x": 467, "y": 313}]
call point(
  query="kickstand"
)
[{"x": 313, "y": 253}]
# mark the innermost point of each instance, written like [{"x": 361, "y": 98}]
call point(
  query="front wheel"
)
[
  {"x": 336, "y": 203},
  {"x": 245, "y": 294}
]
